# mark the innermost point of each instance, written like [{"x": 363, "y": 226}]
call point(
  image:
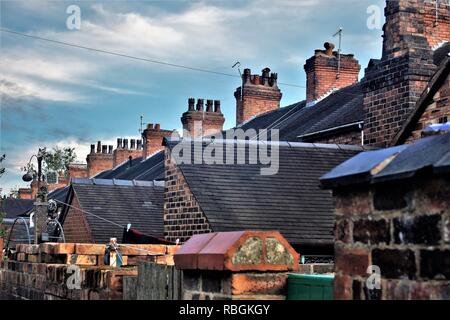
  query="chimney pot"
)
[
  {"x": 92, "y": 148},
  {"x": 119, "y": 143},
  {"x": 265, "y": 76},
  {"x": 200, "y": 104},
  {"x": 150, "y": 126},
  {"x": 104, "y": 149},
  {"x": 191, "y": 103},
  {"x": 273, "y": 79},
  {"x": 328, "y": 48},
  {"x": 99, "y": 146},
  {"x": 110, "y": 149},
  {"x": 132, "y": 144},
  {"x": 209, "y": 105},
  {"x": 139, "y": 144},
  {"x": 217, "y": 106},
  {"x": 256, "y": 79},
  {"x": 157, "y": 127},
  {"x": 247, "y": 75},
  {"x": 125, "y": 143}
]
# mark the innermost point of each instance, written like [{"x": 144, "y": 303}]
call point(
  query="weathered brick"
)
[
  {"x": 391, "y": 198},
  {"x": 371, "y": 231},
  {"x": 142, "y": 249},
  {"x": 81, "y": 259},
  {"x": 343, "y": 230},
  {"x": 395, "y": 263},
  {"x": 352, "y": 261},
  {"x": 342, "y": 287},
  {"x": 64, "y": 248},
  {"x": 90, "y": 249},
  {"x": 355, "y": 202},
  {"x": 435, "y": 264},
  {"x": 417, "y": 230}
]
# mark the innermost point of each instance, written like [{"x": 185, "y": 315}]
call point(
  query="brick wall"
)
[
  {"x": 123, "y": 152},
  {"x": 199, "y": 122},
  {"x": 322, "y": 72},
  {"x": 99, "y": 160},
  {"x": 41, "y": 272},
  {"x": 257, "y": 95},
  {"x": 402, "y": 228},
  {"x": 393, "y": 85},
  {"x": 183, "y": 216},
  {"x": 76, "y": 228},
  {"x": 153, "y": 137},
  {"x": 77, "y": 170},
  {"x": 438, "y": 111},
  {"x": 222, "y": 285}
]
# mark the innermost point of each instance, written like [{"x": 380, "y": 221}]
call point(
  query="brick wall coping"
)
[
  {"x": 238, "y": 251},
  {"x": 393, "y": 163}
]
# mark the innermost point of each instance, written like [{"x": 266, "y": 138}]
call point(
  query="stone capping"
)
[
  {"x": 90, "y": 254},
  {"x": 238, "y": 251}
]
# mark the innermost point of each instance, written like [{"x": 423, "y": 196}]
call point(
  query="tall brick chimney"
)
[
  {"x": 77, "y": 170},
  {"x": 153, "y": 137},
  {"x": 324, "y": 72},
  {"x": 99, "y": 160},
  {"x": 393, "y": 84},
  {"x": 258, "y": 94},
  {"x": 124, "y": 151},
  {"x": 199, "y": 122}
]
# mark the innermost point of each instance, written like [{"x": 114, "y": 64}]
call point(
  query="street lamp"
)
[{"x": 40, "y": 205}]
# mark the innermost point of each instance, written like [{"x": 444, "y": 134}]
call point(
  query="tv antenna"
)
[
  {"x": 238, "y": 64},
  {"x": 339, "y": 33},
  {"x": 141, "y": 125}
]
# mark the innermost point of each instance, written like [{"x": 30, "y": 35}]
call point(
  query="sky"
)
[{"x": 56, "y": 96}]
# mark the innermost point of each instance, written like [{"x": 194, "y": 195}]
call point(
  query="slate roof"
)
[
  {"x": 430, "y": 155},
  {"x": 238, "y": 197},
  {"x": 341, "y": 108},
  {"x": 120, "y": 202},
  {"x": 149, "y": 169},
  {"x": 14, "y": 208}
]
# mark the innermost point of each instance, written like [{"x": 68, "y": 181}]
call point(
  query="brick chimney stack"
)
[
  {"x": 124, "y": 151},
  {"x": 257, "y": 94},
  {"x": 99, "y": 160},
  {"x": 393, "y": 84},
  {"x": 211, "y": 120},
  {"x": 324, "y": 73},
  {"x": 77, "y": 170},
  {"x": 153, "y": 137}
]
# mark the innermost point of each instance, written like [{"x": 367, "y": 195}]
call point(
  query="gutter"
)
[{"x": 331, "y": 129}]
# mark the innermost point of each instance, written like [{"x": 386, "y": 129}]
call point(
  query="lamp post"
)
[{"x": 40, "y": 204}]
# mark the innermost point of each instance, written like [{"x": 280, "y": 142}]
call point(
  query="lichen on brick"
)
[
  {"x": 277, "y": 253},
  {"x": 250, "y": 252}
]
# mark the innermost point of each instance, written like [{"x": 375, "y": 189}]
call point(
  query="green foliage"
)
[
  {"x": 2, "y": 228},
  {"x": 56, "y": 160}
]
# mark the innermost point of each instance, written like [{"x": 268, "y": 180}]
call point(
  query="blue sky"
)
[{"x": 52, "y": 95}]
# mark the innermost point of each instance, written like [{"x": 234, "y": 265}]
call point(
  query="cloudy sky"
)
[{"x": 55, "y": 95}]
